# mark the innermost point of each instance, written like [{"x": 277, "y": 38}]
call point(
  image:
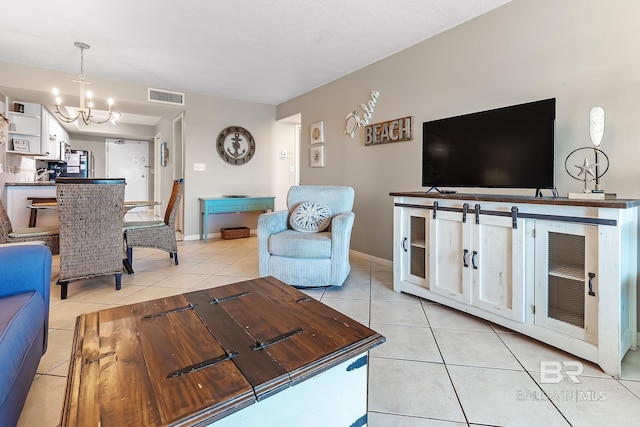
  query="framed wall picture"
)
[
  {"x": 164, "y": 154},
  {"x": 317, "y": 157},
  {"x": 317, "y": 133},
  {"x": 21, "y": 145}
]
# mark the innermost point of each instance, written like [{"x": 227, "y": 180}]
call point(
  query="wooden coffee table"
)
[{"x": 256, "y": 352}]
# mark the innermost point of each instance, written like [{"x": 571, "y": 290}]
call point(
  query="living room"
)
[{"x": 580, "y": 52}]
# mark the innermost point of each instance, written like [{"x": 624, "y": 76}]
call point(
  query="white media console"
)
[{"x": 561, "y": 271}]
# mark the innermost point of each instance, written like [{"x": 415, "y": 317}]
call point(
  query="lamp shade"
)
[{"x": 596, "y": 125}]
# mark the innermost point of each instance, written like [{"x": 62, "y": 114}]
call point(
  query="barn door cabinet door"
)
[
  {"x": 478, "y": 259},
  {"x": 449, "y": 256},
  {"x": 497, "y": 266}
]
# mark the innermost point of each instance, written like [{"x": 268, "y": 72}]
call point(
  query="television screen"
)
[{"x": 510, "y": 147}]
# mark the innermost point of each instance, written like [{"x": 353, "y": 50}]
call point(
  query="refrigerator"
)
[{"x": 80, "y": 164}]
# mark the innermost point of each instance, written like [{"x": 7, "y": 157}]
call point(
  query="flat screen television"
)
[{"x": 510, "y": 147}]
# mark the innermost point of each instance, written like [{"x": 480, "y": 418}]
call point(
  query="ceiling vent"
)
[{"x": 165, "y": 96}]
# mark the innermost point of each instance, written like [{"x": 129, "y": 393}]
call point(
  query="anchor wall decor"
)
[{"x": 235, "y": 145}]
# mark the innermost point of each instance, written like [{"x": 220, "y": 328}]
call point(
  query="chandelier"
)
[{"x": 86, "y": 103}]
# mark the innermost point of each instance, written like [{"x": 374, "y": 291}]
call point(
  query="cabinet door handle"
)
[
  {"x": 473, "y": 260},
  {"x": 464, "y": 258},
  {"x": 403, "y": 244},
  {"x": 591, "y": 277}
]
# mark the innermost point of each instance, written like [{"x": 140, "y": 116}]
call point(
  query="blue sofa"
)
[{"x": 25, "y": 276}]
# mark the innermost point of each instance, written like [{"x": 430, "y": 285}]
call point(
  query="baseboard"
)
[
  {"x": 362, "y": 255},
  {"x": 371, "y": 258},
  {"x": 252, "y": 233}
]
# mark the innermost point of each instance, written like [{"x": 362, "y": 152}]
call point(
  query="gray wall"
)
[
  {"x": 206, "y": 117},
  {"x": 583, "y": 52}
]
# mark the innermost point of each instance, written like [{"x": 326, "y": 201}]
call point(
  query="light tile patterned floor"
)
[{"x": 439, "y": 367}]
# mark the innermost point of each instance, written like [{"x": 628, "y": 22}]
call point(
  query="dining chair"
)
[
  {"x": 91, "y": 213},
  {"x": 159, "y": 234},
  {"x": 50, "y": 235}
]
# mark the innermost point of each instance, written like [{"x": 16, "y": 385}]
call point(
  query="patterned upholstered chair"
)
[
  {"x": 308, "y": 258},
  {"x": 91, "y": 213},
  {"x": 156, "y": 234},
  {"x": 49, "y": 235}
]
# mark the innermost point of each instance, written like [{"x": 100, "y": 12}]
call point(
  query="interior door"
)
[
  {"x": 157, "y": 170},
  {"x": 178, "y": 166},
  {"x": 128, "y": 159}
]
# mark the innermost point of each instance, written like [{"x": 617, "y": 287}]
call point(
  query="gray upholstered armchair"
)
[{"x": 308, "y": 259}]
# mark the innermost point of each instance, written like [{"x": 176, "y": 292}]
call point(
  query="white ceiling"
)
[{"x": 253, "y": 50}]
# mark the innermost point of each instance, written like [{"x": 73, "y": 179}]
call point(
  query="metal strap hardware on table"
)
[
  {"x": 217, "y": 205},
  {"x": 256, "y": 352}
]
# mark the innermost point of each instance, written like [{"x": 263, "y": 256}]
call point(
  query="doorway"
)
[
  {"x": 129, "y": 160},
  {"x": 178, "y": 168},
  {"x": 286, "y": 158},
  {"x": 157, "y": 178}
]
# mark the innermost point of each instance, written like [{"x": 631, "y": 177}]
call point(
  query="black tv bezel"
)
[{"x": 467, "y": 116}]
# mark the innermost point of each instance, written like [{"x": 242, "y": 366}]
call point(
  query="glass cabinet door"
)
[
  {"x": 414, "y": 249},
  {"x": 566, "y": 297}
]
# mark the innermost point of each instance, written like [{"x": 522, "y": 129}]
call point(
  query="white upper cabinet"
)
[{"x": 24, "y": 128}]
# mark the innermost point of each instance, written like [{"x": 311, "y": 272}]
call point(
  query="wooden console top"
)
[{"x": 557, "y": 201}]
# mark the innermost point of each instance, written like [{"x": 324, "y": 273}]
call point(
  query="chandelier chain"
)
[
  {"x": 83, "y": 112},
  {"x": 82, "y": 63}
]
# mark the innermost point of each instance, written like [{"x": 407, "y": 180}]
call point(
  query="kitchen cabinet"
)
[
  {"x": 16, "y": 203},
  {"x": 24, "y": 129},
  {"x": 40, "y": 129},
  {"x": 558, "y": 270},
  {"x": 53, "y": 135}
]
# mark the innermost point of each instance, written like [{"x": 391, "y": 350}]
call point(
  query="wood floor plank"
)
[{"x": 174, "y": 342}]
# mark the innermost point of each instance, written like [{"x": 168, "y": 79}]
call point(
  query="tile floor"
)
[{"x": 439, "y": 367}]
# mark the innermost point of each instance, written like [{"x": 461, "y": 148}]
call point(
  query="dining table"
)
[
  {"x": 52, "y": 204},
  {"x": 128, "y": 205}
]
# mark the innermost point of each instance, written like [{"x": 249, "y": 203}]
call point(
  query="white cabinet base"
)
[
  {"x": 510, "y": 285},
  {"x": 16, "y": 205},
  {"x": 336, "y": 397}
]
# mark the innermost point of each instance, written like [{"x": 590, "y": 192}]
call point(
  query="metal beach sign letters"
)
[{"x": 391, "y": 131}]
